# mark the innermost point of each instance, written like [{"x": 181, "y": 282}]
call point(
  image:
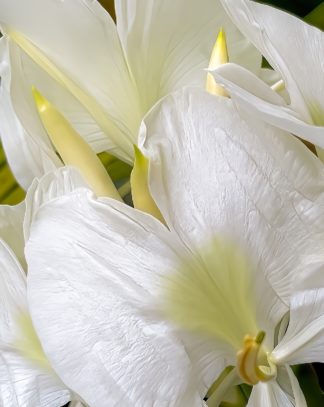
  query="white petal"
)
[
  {"x": 285, "y": 41},
  {"x": 53, "y": 185},
  {"x": 13, "y": 292},
  {"x": 212, "y": 173},
  {"x": 165, "y": 55},
  {"x": 94, "y": 271},
  {"x": 11, "y": 228},
  {"x": 80, "y": 39},
  {"x": 297, "y": 391},
  {"x": 304, "y": 338},
  {"x": 26, "y": 145},
  {"x": 269, "y": 395},
  {"x": 257, "y": 99},
  {"x": 22, "y": 383}
]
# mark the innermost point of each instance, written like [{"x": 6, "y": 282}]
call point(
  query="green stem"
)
[{"x": 218, "y": 395}]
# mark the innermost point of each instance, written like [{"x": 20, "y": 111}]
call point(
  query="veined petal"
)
[
  {"x": 164, "y": 55},
  {"x": 285, "y": 41},
  {"x": 269, "y": 394},
  {"x": 256, "y": 98},
  {"x": 214, "y": 174},
  {"x": 303, "y": 341},
  {"x": 53, "y": 185},
  {"x": 105, "y": 267},
  {"x": 22, "y": 383},
  {"x": 84, "y": 55},
  {"x": 26, "y": 145}
]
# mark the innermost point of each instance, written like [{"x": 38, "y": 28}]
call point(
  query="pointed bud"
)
[
  {"x": 142, "y": 198},
  {"x": 73, "y": 149},
  {"x": 218, "y": 57}
]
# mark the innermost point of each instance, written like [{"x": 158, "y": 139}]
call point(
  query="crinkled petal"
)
[
  {"x": 22, "y": 383},
  {"x": 256, "y": 98},
  {"x": 212, "y": 173},
  {"x": 80, "y": 39},
  {"x": 304, "y": 338},
  {"x": 95, "y": 271},
  {"x": 283, "y": 39},
  {"x": 165, "y": 55}
]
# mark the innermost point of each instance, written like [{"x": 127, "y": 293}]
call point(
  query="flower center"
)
[{"x": 253, "y": 364}]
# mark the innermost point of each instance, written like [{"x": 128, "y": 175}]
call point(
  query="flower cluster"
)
[{"x": 211, "y": 279}]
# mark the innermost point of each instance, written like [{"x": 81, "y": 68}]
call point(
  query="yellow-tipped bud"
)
[
  {"x": 218, "y": 57},
  {"x": 142, "y": 198},
  {"x": 73, "y": 149}
]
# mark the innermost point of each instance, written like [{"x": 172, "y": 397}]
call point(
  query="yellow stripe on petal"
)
[
  {"x": 212, "y": 293},
  {"x": 73, "y": 149},
  {"x": 142, "y": 198},
  {"x": 218, "y": 57},
  {"x": 85, "y": 98},
  {"x": 28, "y": 343}
]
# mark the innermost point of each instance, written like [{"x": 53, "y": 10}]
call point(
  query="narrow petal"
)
[
  {"x": 212, "y": 173},
  {"x": 96, "y": 267},
  {"x": 164, "y": 55},
  {"x": 26, "y": 145},
  {"x": 22, "y": 383},
  {"x": 269, "y": 395},
  {"x": 256, "y": 98},
  {"x": 291, "y": 46},
  {"x": 304, "y": 338},
  {"x": 84, "y": 54}
]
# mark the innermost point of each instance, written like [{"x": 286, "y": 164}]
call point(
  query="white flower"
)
[
  {"x": 103, "y": 77},
  {"x": 99, "y": 270},
  {"x": 26, "y": 378},
  {"x": 294, "y": 49}
]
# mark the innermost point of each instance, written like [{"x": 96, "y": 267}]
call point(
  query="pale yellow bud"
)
[
  {"x": 142, "y": 198},
  {"x": 218, "y": 57},
  {"x": 73, "y": 149}
]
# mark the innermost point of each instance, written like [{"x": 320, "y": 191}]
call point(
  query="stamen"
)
[
  {"x": 248, "y": 361},
  {"x": 73, "y": 149},
  {"x": 218, "y": 57},
  {"x": 141, "y": 195}
]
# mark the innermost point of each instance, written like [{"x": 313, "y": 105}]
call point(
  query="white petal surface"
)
[
  {"x": 283, "y": 39},
  {"x": 165, "y": 54},
  {"x": 269, "y": 395},
  {"x": 95, "y": 270},
  {"x": 22, "y": 383},
  {"x": 80, "y": 39},
  {"x": 304, "y": 339},
  {"x": 257, "y": 99},
  {"x": 212, "y": 173},
  {"x": 26, "y": 145}
]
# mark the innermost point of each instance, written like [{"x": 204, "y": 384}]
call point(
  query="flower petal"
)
[
  {"x": 256, "y": 98},
  {"x": 95, "y": 267},
  {"x": 304, "y": 338},
  {"x": 165, "y": 55},
  {"x": 27, "y": 155},
  {"x": 283, "y": 39},
  {"x": 80, "y": 39},
  {"x": 22, "y": 383},
  {"x": 212, "y": 173},
  {"x": 269, "y": 395}
]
